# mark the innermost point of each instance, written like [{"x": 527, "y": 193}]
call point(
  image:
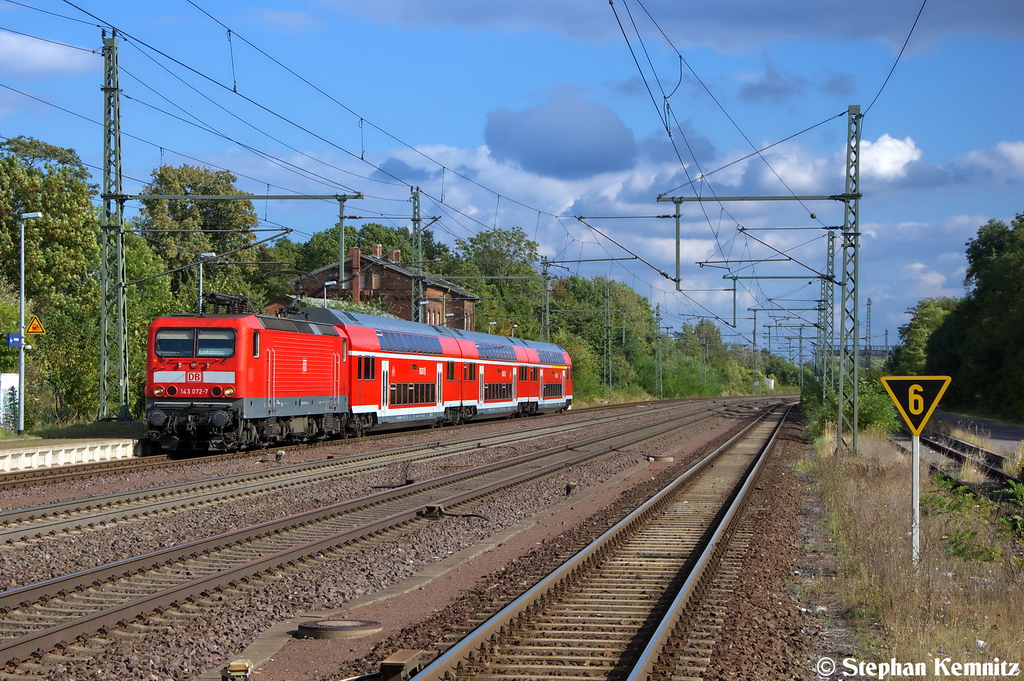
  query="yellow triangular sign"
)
[
  {"x": 916, "y": 397},
  {"x": 36, "y": 327}
]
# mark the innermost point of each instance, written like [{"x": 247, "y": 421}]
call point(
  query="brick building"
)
[{"x": 372, "y": 276}]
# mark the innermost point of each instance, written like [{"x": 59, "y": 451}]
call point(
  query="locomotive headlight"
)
[
  {"x": 158, "y": 391},
  {"x": 229, "y": 391}
]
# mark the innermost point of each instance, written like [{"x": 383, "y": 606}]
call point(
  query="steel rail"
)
[
  {"x": 467, "y": 657},
  {"x": 50, "y": 475},
  {"x": 50, "y": 519},
  {"x": 644, "y": 669},
  {"x": 426, "y": 493}
]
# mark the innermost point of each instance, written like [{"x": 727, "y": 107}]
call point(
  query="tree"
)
[
  {"x": 62, "y": 246},
  {"x": 910, "y": 357},
  {"x": 61, "y": 261},
  {"x": 179, "y": 231},
  {"x": 980, "y": 344},
  {"x": 511, "y": 293}
]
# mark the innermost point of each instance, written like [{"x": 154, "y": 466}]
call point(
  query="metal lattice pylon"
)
[
  {"x": 113, "y": 388},
  {"x": 826, "y": 366},
  {"x": 849, "y": 375}
]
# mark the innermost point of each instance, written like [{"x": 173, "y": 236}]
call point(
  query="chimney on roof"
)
[
  {"x": 395, "y": 255},
  {"x": 378, "y": 250}
]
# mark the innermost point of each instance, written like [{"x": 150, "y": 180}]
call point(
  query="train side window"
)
[
  {"x": 255, "y": 343},
  {"x": 450, "y": 371}
]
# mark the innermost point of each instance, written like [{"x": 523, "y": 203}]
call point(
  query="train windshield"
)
[
  {"x": 195, "y": 342},
  {"x": 215, "y": 343}
]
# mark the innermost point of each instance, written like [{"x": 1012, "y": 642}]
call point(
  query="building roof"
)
[{"x": 384, "y": 263}]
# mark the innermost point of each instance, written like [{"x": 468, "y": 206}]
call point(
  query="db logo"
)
[
  {"x": 303, "y": 365},
  {"x": 194, "y": 377}
]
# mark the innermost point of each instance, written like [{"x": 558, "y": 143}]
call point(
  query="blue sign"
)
[{"x": 14, "y": 340}]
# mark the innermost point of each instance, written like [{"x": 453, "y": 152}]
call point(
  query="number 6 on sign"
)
[
  {"x": 916, "y": 400},
  {"x": 916, "y": 397}
]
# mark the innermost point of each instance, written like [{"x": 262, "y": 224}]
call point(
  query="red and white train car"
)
[{"x": 223, "y": 382}]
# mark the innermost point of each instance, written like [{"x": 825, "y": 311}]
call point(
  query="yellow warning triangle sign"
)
[
  {"x": 35, "y": 326},
  {"x": 916, "y": 397}
]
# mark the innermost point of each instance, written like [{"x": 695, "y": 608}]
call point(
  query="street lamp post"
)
[
  {"x": 202, "y": 257},
  {"x": 514, "y": 327},
  {"x": 326, "y": 284},
  {"x": 21, "y": 318},
  {"x": 490, "y": 327}
]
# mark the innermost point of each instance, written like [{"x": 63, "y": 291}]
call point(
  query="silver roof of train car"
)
[{"x": 331, "y": 316}]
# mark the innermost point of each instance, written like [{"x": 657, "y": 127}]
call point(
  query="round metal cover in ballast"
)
[{"x": 338, "y": 628}]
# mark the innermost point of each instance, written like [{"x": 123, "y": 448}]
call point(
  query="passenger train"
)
[{"x": 222, "y": 382}]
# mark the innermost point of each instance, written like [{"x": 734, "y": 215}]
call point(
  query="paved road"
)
[{"x": 1005, "y": 436}]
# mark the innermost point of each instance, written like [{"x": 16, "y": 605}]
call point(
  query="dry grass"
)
[
  {"x": 947, "y": 603},
  {"x": 1014, "y": 462},
  {"x": 971, "y": 472},
  {"x": 974, "y": 436}
]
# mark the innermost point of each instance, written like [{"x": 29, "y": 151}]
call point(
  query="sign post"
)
[{"x": 916, "y": 398}]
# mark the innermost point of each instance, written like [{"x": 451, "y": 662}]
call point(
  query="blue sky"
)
[{"x": 531, "y": 113}]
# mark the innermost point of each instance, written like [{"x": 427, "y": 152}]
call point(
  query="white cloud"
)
[
  {"x": 919, "y": 273},
  {"x": 24, "y": 56},
  {"x": 887, "y": 159},
  {"x": 1005, "y": 158}
]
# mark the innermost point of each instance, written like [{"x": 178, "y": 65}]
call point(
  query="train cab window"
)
[
  {"x": 344, "y": 349},
  {"x": 175, "y": 342},
  {"x": 255, "y": 343},
  {"x": 215, "y": 343}
]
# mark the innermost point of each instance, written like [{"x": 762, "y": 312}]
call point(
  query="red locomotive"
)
[{"x": 234, "y": 381}]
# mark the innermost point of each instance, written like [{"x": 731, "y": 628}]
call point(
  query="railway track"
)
[
  {"x": 623, "y": 608},
  {"x": 158, "y": 462},
  {"x": 83, "y": 514},
  {"x": 996, "y": 468},
  {"x": 56, "y": 613},
  {"x": 993, "y": 465}
]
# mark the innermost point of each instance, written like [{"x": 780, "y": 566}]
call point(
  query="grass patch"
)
[
  {"x": 969, "y": 583},
  {"x": 974, "y": 436}
]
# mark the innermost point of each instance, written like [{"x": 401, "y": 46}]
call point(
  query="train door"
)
[
  {"x": 480, "y": 382},
  {"x": 271, "y": 381},
  {"x": 385, "y": 385},
  {"x": 439, "y": 397},
  {"x": 335, "y": 398},
  {"x": 565, "y": 376},
  {"x": 515, "y": 383},
  {"x": 540, "y": 387}
]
